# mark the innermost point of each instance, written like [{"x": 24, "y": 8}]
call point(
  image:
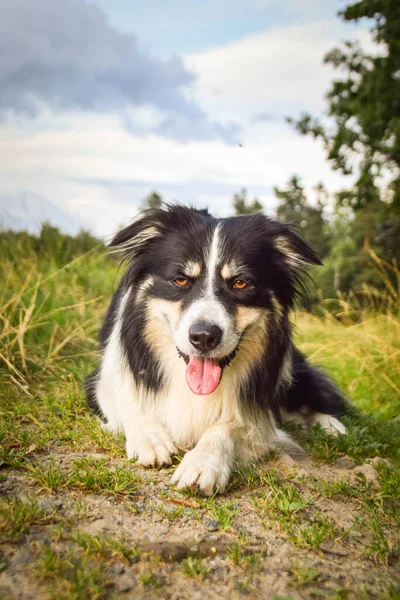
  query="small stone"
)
[
  {"x": 212, "y": 525},
  {"x": 370, "y": 474},
  {"x": 345, "y": 462},
  {"x": 213, "y": 538},
  {"x": 118, "y": 568},
  {"x": 378, "y": 460},
  {"x": 194, "y": 549},
  {"x": 164, "y": 530}
]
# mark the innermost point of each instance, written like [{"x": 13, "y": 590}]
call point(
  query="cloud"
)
[
  {"x": 96, "y": 171},
  {"x": 66, "y": 56},
  {"x": 265, "y": 117},
  {"x": 279, "y": 71}
]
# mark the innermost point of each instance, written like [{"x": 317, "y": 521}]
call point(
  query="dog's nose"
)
[{"x": 205, "y": 336}]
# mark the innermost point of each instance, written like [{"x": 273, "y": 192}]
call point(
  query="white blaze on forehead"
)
[{"x": 213, "y": 259}]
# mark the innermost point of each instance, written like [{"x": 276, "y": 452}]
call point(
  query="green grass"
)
[
  {"x": 71, "y": 576},
  {"x": 194, "y": 567},
  {"x": 49, "y": 321},
  {"x": 17, "y": 516}
]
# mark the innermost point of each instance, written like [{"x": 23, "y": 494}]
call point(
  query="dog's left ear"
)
[
  {"x": 296, "y": 252},
  {"x": 134, "y": 239}
]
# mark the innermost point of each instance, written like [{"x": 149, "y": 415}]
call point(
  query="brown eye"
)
[
  {"x": 181, "y": 281},
  {"x": 240, "y": 284}
]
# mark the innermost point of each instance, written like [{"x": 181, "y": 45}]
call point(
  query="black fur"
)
[{"x": 161, "y": 242}]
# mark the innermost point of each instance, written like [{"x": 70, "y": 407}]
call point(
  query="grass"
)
[
  {"x": 194, "y": 567},
  {"x": 49, "y": 319},
  {"x": 17, "y": 516},
  {"x": 68, "y": 576}
]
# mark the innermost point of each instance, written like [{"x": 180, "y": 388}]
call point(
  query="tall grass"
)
[
  {"x": 357, "y": 337},
  {"x": 50, "y": 316}
]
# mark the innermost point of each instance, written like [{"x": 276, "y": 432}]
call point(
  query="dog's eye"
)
[
  {"x": 182, "y": 281},
  {"x": 239, "y": 284}
]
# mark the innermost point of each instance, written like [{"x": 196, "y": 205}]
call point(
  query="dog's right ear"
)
[{"x": 132, "y": 240}]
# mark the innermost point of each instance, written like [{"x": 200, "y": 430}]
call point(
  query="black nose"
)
[{"x": 205, "y": 336}]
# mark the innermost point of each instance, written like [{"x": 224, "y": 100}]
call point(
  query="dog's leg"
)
[
  {"x": 207, "y": 468},
  {"x": 149, "y": 442},
  {"x": 146, "y": 440},
  {"x": 312, "y": 398},
  {"x": 330, "y": 424}
]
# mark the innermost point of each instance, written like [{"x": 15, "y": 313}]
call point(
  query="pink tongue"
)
[{"x": 203, "y": 375}]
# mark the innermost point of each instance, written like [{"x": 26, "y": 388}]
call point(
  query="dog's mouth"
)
[{"x": 204, "y": 374}]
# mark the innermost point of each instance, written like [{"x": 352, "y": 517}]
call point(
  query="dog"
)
[{"x": 197, "y": 351}]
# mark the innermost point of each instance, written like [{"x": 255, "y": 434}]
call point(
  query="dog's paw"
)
[
  {"x": 110, "y": 427},
  {"x": 152, "y": 447},
  {"x": 203, "y": 471},
  {"x": 330, "y": 424}
]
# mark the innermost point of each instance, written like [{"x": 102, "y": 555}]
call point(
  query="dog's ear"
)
[
  {"x": 296, "y": 252},
  {"x": 145, "y": 227}
]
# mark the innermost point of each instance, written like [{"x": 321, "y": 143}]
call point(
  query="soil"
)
[{"x": 147, "y": 520}]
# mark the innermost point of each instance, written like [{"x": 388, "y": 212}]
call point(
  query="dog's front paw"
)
[
  {"x": 203, "y": 472},
  {"x": 152, "y": 447}
]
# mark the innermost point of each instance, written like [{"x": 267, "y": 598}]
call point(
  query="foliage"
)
[
  {"x": 362, "y": 135},
  {"x": 153, "y": 200},
  {"x": 243, "y": 206},
  {"x": 51, "y": 243},
  {"x": 294, "y": 208}
]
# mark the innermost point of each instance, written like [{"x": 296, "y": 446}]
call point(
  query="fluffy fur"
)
[{"x": 215, "y": 293}]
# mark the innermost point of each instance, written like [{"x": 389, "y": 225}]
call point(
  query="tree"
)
[
  {"x": 152, "y": 200},
  {"x": 294, "y": 208},
  {"x": 363, "y": 133},
  {"x": 242, "y": 205}
]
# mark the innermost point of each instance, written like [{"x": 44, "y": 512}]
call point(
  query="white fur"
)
[
  {"x": 209, "y": 465},
  {"x": 329, "y": 423},
  {"x": 213, "y": 429},
  {"x": 210, "y": 310},
  {"x": 155, "y": 426},
  {"x": 212, "y": 262}
]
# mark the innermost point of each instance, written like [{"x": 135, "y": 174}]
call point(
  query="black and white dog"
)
[{"x": 196, "y": 346}]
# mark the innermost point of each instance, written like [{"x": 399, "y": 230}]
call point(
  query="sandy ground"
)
[{"x": 165, "y": 532}]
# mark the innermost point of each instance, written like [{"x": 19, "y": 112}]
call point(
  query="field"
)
[{"x": 80, "y": 521}]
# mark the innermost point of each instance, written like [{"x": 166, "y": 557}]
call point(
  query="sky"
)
[{"x": 104, "y": 101}]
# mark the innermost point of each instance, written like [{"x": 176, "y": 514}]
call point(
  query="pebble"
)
[
  {"x": 118, "y": 568},
  {"x": 212, "y": 525},
  {"x": 377, "y": 460},
  {"x": 371, "y": 474},
  {"x": 164, "y": 530},
  {"x": 346, "y": 463}
]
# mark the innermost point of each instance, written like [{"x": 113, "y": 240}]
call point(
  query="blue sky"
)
[{"x": 103, "y": 101}]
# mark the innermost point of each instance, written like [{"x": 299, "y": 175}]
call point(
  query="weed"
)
[
  {"x": 97, "y": 475},
  {"x": 70, "y": 576},
  {"x": 149, "y": 579},
  {"x": 50, "y": 477},
  {"x": 17, "y": 516},
  {"x": 303, "y": 575},
  {"x": 105, "y": 547},
  {"x": 223, "y": 513},
  {"x": 194, "y": 567}
]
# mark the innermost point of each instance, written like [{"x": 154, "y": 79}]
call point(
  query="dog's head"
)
[{"x": 211, "y": 280}]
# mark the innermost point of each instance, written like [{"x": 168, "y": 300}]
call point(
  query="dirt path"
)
[{"x": 290, "y": 529}]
